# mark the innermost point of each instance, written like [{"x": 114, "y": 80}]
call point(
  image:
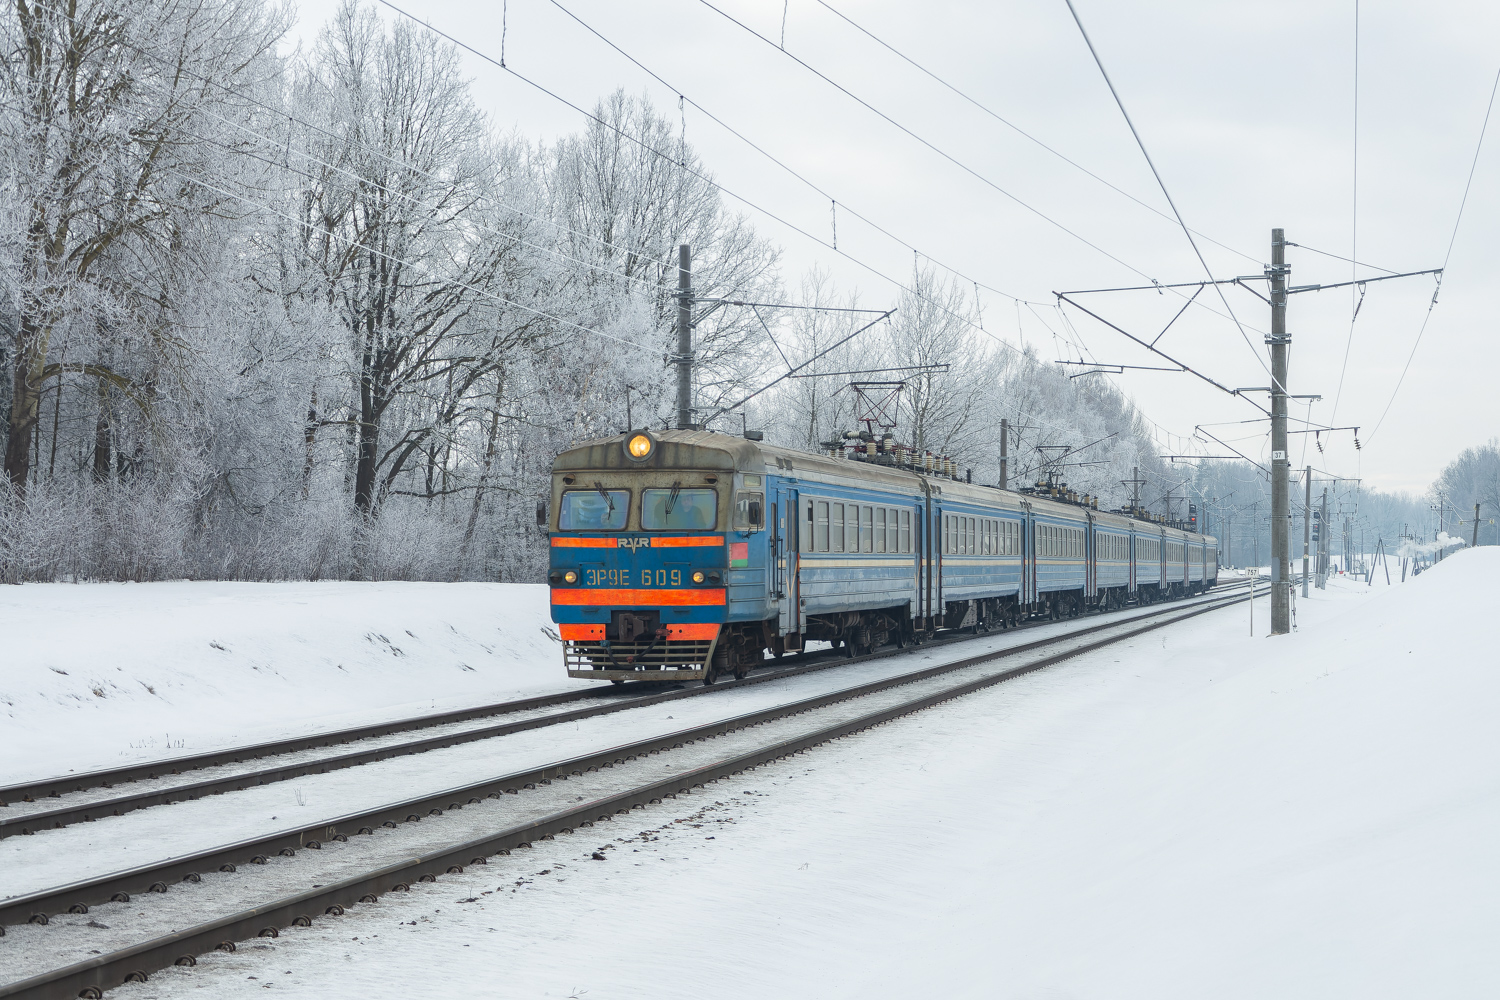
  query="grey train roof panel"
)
[{"x": 709, "y": 450}]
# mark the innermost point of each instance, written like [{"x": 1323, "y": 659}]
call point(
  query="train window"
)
[
  {"x": 820, "y": 527},
  {"x": 805, "y": 529},
  {"x": 593, "y": 510},
  {"x": 892, "y": 533},
  {"x": 879, "y": 529},
  {"x": 866, "y": 529},
  {"x": 679, "y": 509},
  {"x": 851, "y": 528},
  {"x": 906, "y": 531},
  {"x": 971, "y": 534},
  {"x": 742, "y": 510},
  {"x": 836, "y": 528}
]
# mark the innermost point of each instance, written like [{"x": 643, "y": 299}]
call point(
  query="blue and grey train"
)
[{"x": 688, "y": 555}]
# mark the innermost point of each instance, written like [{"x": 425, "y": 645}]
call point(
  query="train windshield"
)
[
  {"x": 678, "y": 509},
  {"x": 593, "y": 510}
]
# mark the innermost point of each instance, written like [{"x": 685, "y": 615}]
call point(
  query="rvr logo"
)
[{"x": 632, "y": 543}]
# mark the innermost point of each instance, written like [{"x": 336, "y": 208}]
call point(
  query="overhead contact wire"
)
[{"x": 1162, "y": 184}]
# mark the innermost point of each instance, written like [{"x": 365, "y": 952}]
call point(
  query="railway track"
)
[
  {"x": 297, "y": 876},
  {"x": 53, "y": 803}
]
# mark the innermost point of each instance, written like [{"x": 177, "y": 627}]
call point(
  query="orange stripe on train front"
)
[
  {"x": 700, "y": 631},
  {"x": 689, "y": 541},
  {"x": 571, "y": 542},
  {"x": 633, "y": 598}
]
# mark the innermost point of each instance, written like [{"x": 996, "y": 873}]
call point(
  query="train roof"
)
[{"x": 725, "y": 452}]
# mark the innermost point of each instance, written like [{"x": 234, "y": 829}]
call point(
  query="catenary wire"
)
[
  {"x": 925, "y": 142},
  {"x": 1013, "y": 126},
  {"x": 1353, "y": 232},
  {"x": 281, "y": 114},
  {"x": 876, "y": 111},
  {"x": 772, "y": 157},
  {"x": 793, "y": 227},
  {"x": 769, "y": 214},
  {"x": 1478, "y": 146},
  {"x": 1167, "y": 194}
]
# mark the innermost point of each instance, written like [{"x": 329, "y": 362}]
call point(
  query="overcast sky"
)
[{"x": 1248, "y": 111}]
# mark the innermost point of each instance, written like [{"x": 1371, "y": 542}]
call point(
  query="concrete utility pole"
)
[
  {"x": 1004, "y": 453},
  {"x": 1281, "y": 512},
  {"x": 1442, "y": 502},
  {"x": 1135, "y": 488},
  {"x": 1306, "y": 527},
  {"x": 684, "y": 338},
  {"x": 1323, "y": 543},
  {"x": 1475, "y": 542}
]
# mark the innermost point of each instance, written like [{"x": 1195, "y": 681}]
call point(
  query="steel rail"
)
[
  {"x": 65, "y": 815},
  {"x": 56, "y": 786},
  {"x": 39, "y": 906},
  {"x": 91, "y": 977}
]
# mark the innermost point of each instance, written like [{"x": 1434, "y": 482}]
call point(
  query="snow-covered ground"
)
[
  {"x": 101, "y": 675},
  {"x": 1193, "y": 813},
  {"x": 1197, "y": 813}
]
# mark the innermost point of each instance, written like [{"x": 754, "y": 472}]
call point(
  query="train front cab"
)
[{"x": 645, "y": 558}]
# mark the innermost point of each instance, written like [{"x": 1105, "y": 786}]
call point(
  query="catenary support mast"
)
[
  {"x": 1306, "y": 526},
  {"x": 1280, "y": 467}
]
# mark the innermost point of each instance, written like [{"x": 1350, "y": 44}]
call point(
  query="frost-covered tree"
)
[{"x": 112, "y": 134}]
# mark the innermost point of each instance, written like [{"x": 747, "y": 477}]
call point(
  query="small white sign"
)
[{"x": 1278, "y": 456}]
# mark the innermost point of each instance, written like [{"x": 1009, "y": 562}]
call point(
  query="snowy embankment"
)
[{"x": 100, "y": 675}]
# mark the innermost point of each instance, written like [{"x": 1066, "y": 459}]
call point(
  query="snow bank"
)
[{"x": 97, "y": 675}]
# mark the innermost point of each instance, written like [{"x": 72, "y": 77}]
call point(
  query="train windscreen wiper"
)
[
  {"x": 672, "y": 498},
  {"x": 605, "y": 494}
]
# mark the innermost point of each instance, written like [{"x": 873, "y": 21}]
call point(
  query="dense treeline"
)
[{"x": 313, "y": 316}]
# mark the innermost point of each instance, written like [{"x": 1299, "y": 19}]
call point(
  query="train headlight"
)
[
  {"x": 571, "y": 576},
  {"x": 698, "y": 576},
  {"x": 639, "y": 446}
]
